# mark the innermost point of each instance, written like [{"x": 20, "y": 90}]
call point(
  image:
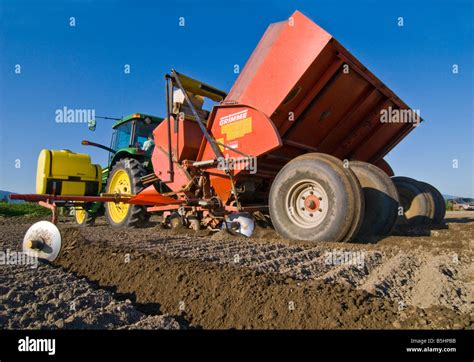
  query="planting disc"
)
[
  {"x": 42, "y": 240},
  {"x": 245, "y": 221}
]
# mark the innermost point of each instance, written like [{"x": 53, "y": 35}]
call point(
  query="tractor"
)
[{"x": 128, "y": 162}]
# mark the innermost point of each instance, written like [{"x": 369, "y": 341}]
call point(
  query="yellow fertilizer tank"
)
[{"x": 67, "y": 173}]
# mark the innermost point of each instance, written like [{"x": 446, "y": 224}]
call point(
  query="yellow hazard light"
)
[{"x": 137, "y": 115}]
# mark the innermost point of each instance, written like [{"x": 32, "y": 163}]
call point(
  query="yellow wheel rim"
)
[
  {"x": 120, "y": 183},
  {"x": 80, "y": 216}
]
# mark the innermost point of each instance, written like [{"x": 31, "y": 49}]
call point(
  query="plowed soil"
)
[{"x": 418, "y": 278}]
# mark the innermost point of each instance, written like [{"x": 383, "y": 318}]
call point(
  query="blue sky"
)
[{"x": 83, "y": 67}]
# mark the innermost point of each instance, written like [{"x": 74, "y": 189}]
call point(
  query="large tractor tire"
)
[
  {"x": 313, "y": 198},
  {"x": 356, "y": 189},
  {"x": 439, "y": 203},
  {"x": 124, "y": 178},
  {"x": 83, "y": 218},
  {"x": 381, "y": 200},
  {"x": 416, "y": 200}
]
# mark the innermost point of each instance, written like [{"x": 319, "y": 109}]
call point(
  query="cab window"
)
[
  {"x": 142, "y": 131},
  {"x": 122, "y": 136}
]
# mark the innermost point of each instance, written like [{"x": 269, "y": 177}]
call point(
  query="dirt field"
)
[{"x": 156, "y": 278}]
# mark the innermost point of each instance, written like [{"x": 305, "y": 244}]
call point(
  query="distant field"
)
[{"x": 9, "y": 210}]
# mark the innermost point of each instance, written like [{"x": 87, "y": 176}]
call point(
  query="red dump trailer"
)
[{"x": 301, "y": 137}]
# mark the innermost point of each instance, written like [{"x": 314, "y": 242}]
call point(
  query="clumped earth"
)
[
  {"x": 38, "y": 296},
  {"x": 156, "y": 278}
]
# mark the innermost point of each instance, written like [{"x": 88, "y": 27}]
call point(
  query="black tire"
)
[
  {"x": 356, "y": 189},
  {"x": 89, "y": 219},
  {"x": 136, "y": 215},
  {"x": 439, "y": 203},
  {"x": 317, "y": 187},
  {"x": 381, "y": 200},
  {"x": 416, "y": 201}
]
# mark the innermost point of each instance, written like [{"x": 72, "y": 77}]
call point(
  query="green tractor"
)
[{"x": 129, "y": 161}]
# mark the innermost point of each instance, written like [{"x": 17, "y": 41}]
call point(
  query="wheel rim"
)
[
  {"x": 194, "y": 224},
  {"x": 80, "y": 215},
  {"x": 307, "y": 204},
  {"x": 120, "y": 183}
]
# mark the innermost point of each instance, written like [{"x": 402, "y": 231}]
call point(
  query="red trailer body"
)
[{"x": 312, "y": 95}]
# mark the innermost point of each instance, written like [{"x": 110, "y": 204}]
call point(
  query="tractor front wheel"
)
[
  {"x": 83, "y": 217},
  {"x": 124, "y": 178}
]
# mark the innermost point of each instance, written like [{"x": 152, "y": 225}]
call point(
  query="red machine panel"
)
[
  {"x": 240, "y": 130},
  {"x": 319, "y": 96}
]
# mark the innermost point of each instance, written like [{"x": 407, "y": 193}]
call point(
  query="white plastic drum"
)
[{"x": 43, "y": 241}]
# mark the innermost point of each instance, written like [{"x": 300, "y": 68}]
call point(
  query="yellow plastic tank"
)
[{"x": 67, "y": 173}]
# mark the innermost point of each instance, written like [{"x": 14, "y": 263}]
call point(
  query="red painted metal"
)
[
  {"x": 318, "y": 94},
  {"x": 242, "y": 129},
  {"x": 162, "y": 208},
  {"x": 46, "y": 197},
  {"x": 185, "y": 141},
  {"x": 52, "y": 207},
  {"x": 147, "y": 197},
  {"x": 150, "y": 196},
  {"x": 384, "y": 166}
]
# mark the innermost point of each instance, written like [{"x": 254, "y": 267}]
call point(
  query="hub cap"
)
[
  {"x": 307, "y": 204},
  {"x": 80, "y": 215},
  {"x": 120, "y": 184}
]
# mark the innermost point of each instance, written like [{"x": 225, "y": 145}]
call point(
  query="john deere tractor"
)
[{"x": 129, "y": 160}]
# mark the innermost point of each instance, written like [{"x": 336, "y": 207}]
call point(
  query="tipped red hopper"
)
[{"x": 299, "y": 92}]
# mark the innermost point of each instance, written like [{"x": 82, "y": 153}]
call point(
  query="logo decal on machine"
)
[{"x": 236, "y": 125}]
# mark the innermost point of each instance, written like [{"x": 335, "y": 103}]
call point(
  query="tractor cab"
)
[
  {"x": 129, "y": 159},
  {"x": 131, "y": 134}
]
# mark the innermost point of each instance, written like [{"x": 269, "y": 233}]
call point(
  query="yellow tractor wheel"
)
[
  {"x": 124, "y": 178},
  {"x": 83, "y": 217}
]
